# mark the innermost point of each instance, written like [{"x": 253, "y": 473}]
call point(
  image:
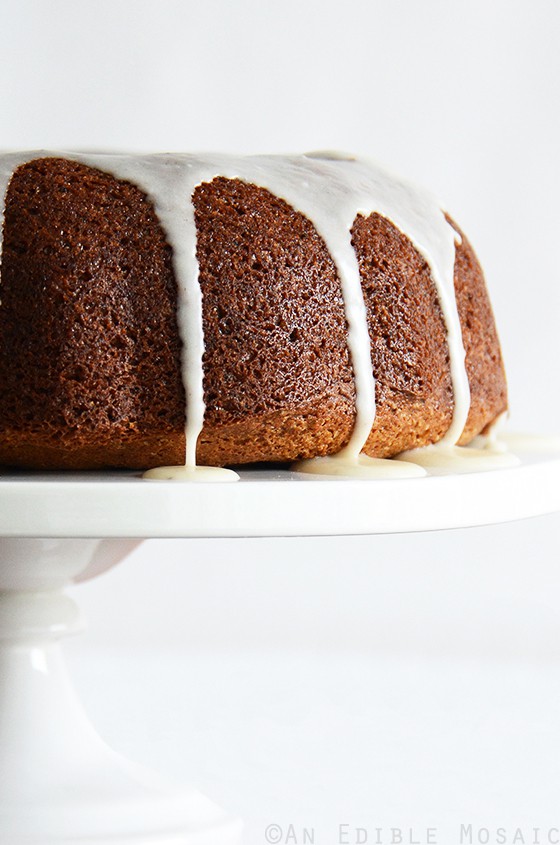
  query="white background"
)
[{"x": 378, "y": 682}]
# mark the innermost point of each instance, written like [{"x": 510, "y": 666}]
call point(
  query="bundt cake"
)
[{"x": 236, "y": 310}]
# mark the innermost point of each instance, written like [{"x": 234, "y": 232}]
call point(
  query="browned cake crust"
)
[
  {"x": 90, "y": 354},
  {"x": 278, "y": 376},
  {"x": 485, "y": 367},
  {"x": 408, "y": 340}
]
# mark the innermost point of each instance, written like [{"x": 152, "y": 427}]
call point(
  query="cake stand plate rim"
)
[{"x": 269, "y": 502}]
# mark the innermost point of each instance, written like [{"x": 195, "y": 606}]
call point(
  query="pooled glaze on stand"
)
[
  {"x": 458, "y": 459},
  {"x": 331, "y": 190},
  {"x": 359, "y": 466},
  {"x": 524, "y": 443},
  {"x": 191, "y": 473}
]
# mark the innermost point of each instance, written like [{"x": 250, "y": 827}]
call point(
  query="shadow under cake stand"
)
[{"x": 59, "y": 782}]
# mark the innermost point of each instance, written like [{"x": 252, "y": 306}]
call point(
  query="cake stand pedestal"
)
[{"x": 59, "y": 782}]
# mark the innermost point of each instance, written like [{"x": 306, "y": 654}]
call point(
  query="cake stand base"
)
[{"x": 59, "y": 782}]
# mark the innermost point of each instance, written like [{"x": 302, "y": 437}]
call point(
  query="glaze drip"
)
[{"x": 330, "y": 190}]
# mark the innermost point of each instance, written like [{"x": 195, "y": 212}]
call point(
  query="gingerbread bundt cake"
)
[{"x": 234, "y": 309}]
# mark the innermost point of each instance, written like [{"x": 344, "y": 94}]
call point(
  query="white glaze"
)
[
  {"x": 192, "y": 473},
  {"x": 531, "y": 443},
  {"x": 330, "y": 190},
  {"x": 362, "y": 467},
  {"x": 492, "y": 439},
  {"x": 447, "y": 458}
]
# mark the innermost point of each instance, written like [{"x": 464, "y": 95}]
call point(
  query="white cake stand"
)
[{"x": 59, "y": 783}]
